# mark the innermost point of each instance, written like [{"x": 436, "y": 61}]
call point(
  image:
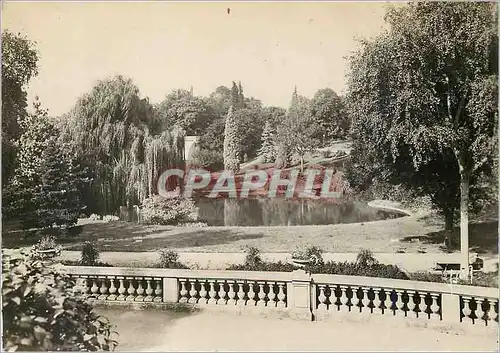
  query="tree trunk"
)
[
  {"x": 302, "y": 164},
  {"x": 448, "y": 227},
  {"x": 464, "y": 223}
]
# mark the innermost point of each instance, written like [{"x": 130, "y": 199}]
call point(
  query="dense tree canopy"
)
[
  {"x": 19, "y": 66},
  {"x": 110, "y": 127},
  {"x": 423, "y": 97},
  {"x": 329, "y": 113}
]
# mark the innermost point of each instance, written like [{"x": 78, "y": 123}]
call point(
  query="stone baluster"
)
[
  {"x": 377, "y": 302},
  {"x": 241, "y": 294},
  {"x": 399, "y": 305},
  {"x": 435, "y": 309},
  {"x": 85, "y": 288},
  {"x": 412, "y": 305},
  {"x": 140, "y": 291},
  {"x": 131, "y": 289},
  {"x": 121, "y": 289},
  {"x": 366, "y": 301},
  {"x": 183, "y": 292},
  {"x": 422, "y": 312},
  {"x": 322, "y": 306},
  {"x": 479, "y": 312},
  {"x": 281, "y": 296},
  {"x": 261, "y": 295},
  {"x": 357, "y": 301},
  {"x": 231, "y": 294},
  {"x": 344, "y": 299},
  {"x": 112, "y": 289},
  {"x": 149, "y": 291},
  {"x": 203, "y": 293},
  {"x": 103, "y": 290},
  {"x": 466, "y": 310},
  {"x": 271, "y": 295},
  {"x": 251, "y": 295},
  {"x": 212, "y": 293},
  {"x": 222, "y": 293},
  {"x": 193, "y": 293},
  {"x": 158, "y": 290},
  {"x": 94, "y": 289}
]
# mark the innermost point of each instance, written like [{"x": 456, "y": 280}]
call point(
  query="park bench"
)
[{"x": 451, "y": 270}]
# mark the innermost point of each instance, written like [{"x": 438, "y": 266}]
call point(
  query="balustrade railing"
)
[{"x": 297, "y": 293}]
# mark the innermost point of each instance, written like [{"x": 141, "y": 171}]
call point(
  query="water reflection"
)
[{"x": 282, "y": 212}]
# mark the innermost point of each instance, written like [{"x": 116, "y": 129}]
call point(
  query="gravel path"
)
[{"x": 165, "y": 331}]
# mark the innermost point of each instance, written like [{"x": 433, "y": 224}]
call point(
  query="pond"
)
[{"x": 283, "y": 212}]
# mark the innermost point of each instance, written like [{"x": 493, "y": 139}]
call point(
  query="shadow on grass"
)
[
  {"x": 123, "y": 236},
  {"x": 483, "y": 238}
]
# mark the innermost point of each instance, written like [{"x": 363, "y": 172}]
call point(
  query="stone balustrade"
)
[{"x": 296, "y": 294}]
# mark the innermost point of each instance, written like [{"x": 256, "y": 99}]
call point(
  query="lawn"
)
[{"x": 409, "y": 234}]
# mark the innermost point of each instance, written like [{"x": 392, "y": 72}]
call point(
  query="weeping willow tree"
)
[{"x": 113, "y": 133}]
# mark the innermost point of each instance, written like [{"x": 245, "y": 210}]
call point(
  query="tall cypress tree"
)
[
  {"x": 268, "y": 148},
  {"x": 232, "y": 143},
  {"x": 235, "y": 96},
  {"x": 241, "y": 97}
]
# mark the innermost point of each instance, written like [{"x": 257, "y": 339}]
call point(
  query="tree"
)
[
  {"x": 250, "y": 127},
  {"x": 268, "y": 148},
  {"x": 57, "y": 198},
  {"x": 112, "y": 130},
  {"x": 232, "y": 143},
  {"x": 220, "y": 101},
  {"x": 328, "y": 111},
  {"x": 235, "y": 96},
  {"x": 19, "y": 66},
  {"x": 298, "y": 133},
  {"x": 241, "y": 97},
  {"x": 37, "y": 131},
  {"x": 275, "y": 115},
  {"x": 424, "y": 94},
  {"x": 183, "y": 110}
]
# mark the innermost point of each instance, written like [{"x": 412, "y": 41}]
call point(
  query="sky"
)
[{"x": 269, "y": 46}]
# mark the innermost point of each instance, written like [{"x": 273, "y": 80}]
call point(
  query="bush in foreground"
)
[
  {"x": 168, "y": 211},
  {"x": 41, "y": 311}
]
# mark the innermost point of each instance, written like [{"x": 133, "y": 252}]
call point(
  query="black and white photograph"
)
[{"x": 250, "y": 176}]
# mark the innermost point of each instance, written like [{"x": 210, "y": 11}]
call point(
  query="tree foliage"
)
[
  {"x": 232, "y": 143},
  {"x": 268, "y": 148},
  {"x": 183, "y": 110},
  {"x": 42, "y": 311},
  {"x": 422, "y": 96},
  {"x": 111, "y": 128},
  {"x": 298, "y": 134},
  {"x": 329, "y": 113},
  {"x": 19, "y": 66}
]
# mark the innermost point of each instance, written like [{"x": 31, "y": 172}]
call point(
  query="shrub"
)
[
  {"x": 252, "y": 258},
  {"x": 110, "y": 218},
  {"x": 426, "y": 277},
  {"x": 355, "y": 269},
  {"x": 170, "y": 259},
  {"x": 94, "y": 217},
  {"x": 168, "y": 211},
  {"x": 365, "y": 258},
  {"x": 42, "y": 311},
  {"x": 89, "y": 255},
  {"x": 47, "y": 242},
  {"x": 313, "y": 253}
]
